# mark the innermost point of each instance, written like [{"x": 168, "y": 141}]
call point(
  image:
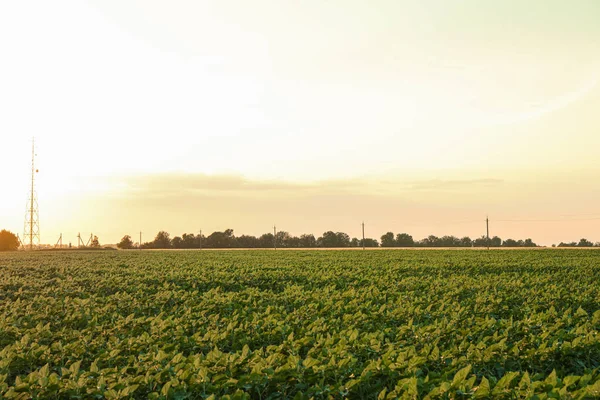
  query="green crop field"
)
[{"x": 300, "y": 324}]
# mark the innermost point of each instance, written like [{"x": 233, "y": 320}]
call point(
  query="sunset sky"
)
[{"x": 416, "y": 116}]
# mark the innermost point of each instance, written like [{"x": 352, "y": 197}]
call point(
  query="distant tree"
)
[
  {"x": 189, "y": 241},
  {"x": 177, "y": 242},
  {"x": 125, "y": 243},
  {"x": 334, "y": 239},
  {"x": 449, "y": 241},
  {"x": 284, "y": 239},
  {"x": 95, "y": 243},
  {"x": 403, "y": 240},
  {"x": 328, "y": 239},
  {"x": 266, "y": 240},
  {"x": 585, "y": 243},
  {"x": 430, "y": 241},
  {"x": 369, "y": 242},
  {"x": 495, "y": 242},
  {"x": 519, "y": 243},
  {"x": 162, "y": 240},
  {"x": 355, "y": 242},
  {"x": 293, "y": 242},
  {"x": 307, "y": 241},
  {"x": 343, "y": 239},
  {"x": 221, "y": 240},
  {"x": 571, "y": 244},
  {"x": 247, "y": 242},
  {"x": 466, "y": 242},
  {"x": 199, "y": 241},
  {"x": 8, "y": 241},
  {"x": 387, "y": 240},
  {"x": 480, "y": 242}
]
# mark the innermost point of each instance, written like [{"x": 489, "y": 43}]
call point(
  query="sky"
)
[{"x": 414, "y": 116}]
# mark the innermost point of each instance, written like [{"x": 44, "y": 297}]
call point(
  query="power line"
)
[
  {"x": 548, "y": 220},
  {"x": 474, "y": 221}
]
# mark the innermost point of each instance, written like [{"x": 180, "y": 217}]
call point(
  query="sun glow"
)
[{"x": 293, "y": 93}]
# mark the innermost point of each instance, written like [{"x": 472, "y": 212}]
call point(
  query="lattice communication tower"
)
[{"x": 31, "y": 231}]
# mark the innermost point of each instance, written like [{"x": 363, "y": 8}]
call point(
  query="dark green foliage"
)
[
  {"x": 300, "y": 324},
  {"x": 125, "y": 243},
  {"x": 8, "y": 241}
]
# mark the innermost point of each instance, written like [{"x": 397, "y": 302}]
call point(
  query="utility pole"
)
[
  {"x": 200, "y": 239},
  {"x": 79, "y": 241},
  {"x": 274, "y": 237},
  {"x": 363, "y": 232},
  {"x": 140, "y": 245},
  {"x": 487, "y": 231}
]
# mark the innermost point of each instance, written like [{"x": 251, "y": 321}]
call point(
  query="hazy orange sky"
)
[{"x": 414, "y": 116}]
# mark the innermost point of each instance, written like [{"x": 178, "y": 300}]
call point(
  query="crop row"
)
[{"x": 300, "y": 324}]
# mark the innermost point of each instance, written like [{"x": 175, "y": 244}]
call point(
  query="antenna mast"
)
[{"x": 31, "y": 234}]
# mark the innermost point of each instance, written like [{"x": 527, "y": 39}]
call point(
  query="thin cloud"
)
[
  {"x": 195, "y": 185},
  {"x": 436, "y": 184},
  {"x": 168, "y": 185},
  {"x": 553, "y": 105}
]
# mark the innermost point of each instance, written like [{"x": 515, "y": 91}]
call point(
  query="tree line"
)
[
  {"x": 406, "y": 240},
  {"x": 282, "y": 239},
  {"x": 582, "y": 243},
  {"x": 226, "y": 239}
]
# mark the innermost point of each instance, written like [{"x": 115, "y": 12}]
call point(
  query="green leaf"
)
[
  {"x": 552, "y": 379},
  {"x": 483, "y": 390},
  {"x": 581, "y": 312},
  {"x": 165, "y": 389},
  {"x": 504, "y": 383},
  {"x": 94, "y": 367},
  {"x": 570, "y": 380},
  {"x": 460, "y": 376},
  {"x": 44, "y": 371},
  {"x": 594, "y": 390},
  {"x": 245, "y": 351},
  {"x": 351, "y": 383},
  {"x": 74, "y": 368},
  {"x": 525, "y": 382},
  {"x": 310, "y": 362},
  {"x": 129, "y": 390}
]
